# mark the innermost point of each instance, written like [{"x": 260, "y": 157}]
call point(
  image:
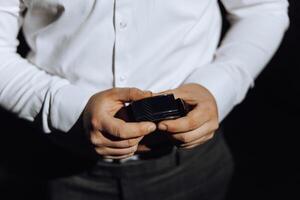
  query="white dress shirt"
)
[{"x": 80, "y": 47}]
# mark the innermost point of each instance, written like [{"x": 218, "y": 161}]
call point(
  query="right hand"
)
[{"x": 112, "y": 137}]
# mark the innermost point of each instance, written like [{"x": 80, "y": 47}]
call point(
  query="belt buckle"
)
[{"x": 121, "y": 161}]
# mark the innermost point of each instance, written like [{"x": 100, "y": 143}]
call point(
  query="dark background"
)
[{"x": 262, "y": 133}]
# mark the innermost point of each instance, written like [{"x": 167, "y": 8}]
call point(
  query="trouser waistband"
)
[{"x": 175, "y": 158}]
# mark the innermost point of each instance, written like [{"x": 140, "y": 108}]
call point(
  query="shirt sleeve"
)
[
  {"x": 25, "y": 89},
  {"x": 257, "y": 28}
]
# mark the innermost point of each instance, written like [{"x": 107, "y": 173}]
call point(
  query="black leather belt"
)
[{"x": 171, "y": 160}]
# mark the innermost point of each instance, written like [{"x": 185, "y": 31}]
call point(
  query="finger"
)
[
  {"x": 105, "y": 139},
  {"x": 164, "y": 92},
  {"x": 107, "y": 151},
  {"x": 127, "y": 130},
  {"x": 130, "y": 94},
  {"x": 193, "y": 120},
  {"x": 193, "y": 146},
  {"x": 188, "y": 137},
  {"x": 143, "y": 149},
  {"x": 198, "y": 141}
]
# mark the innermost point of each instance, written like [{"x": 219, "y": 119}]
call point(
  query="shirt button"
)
[
  {"x": 123, "y": 25},
  {"x": 122, "y": 78}
]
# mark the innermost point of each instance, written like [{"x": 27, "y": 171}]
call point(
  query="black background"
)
[{"x": 262, "y": 133}]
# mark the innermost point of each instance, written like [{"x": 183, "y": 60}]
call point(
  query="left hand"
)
[{"x": 200, "y": 124}]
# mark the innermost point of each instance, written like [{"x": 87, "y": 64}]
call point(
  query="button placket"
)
[
  {"x": 121, "y": 58},
  {"x": 123, "y": 24}
]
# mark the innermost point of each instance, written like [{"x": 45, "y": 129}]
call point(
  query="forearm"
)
[
  {"x": 256, "y": 31},
  {"x": 25, "y": 89}
]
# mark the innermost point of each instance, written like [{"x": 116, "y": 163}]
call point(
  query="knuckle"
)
[
  {"x": 114, "y": 90},
  {"x": 116, "y": 132},
  {"x": 169, "y": 126},
  {"x": 172, "y": 129},
  {"x": 100, "y": 151},
  {"x": 95, "y": 123},
  {"x": 120, "y": 134},
  {"x": 133, "y": 149},
  {"x": 173, "y": 126},
  {"x": 131, "y": 142},
  {"x": 148, "y": 93},
  {"x": 192, "y": 123},
  {"x": 111, "y": 92},
  {"x": 116, "y": 129},
  {"x": 133, "y": 91},
  {"x": 183, "y": 138},
  {"x": 215, "y": 125},
  {"x": 187, "y": 139},
  {"x": 96, "y": 139},
  {"x": 93, "y": 139}
]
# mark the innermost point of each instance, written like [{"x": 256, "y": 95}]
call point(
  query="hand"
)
[
  {"x": 113, "y": 137},
  {"x": 200, "y": 123}
]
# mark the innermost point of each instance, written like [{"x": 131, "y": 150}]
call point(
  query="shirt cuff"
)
[
  {"x": 67, "y": 105},
  {"x": 217, "y": 80}
]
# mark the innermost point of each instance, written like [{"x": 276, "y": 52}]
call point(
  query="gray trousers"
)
[{"x": 202, "y": 173}]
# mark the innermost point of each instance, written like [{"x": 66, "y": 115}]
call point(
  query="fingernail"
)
[
  {"x": 151, "y": 128},
  {"x": 163, "y": 127}
]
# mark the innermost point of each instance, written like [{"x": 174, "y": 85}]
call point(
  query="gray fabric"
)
[{"x": 200, "y": 173}]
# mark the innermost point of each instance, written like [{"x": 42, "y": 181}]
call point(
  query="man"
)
[{"x": 90, "y": 57}]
